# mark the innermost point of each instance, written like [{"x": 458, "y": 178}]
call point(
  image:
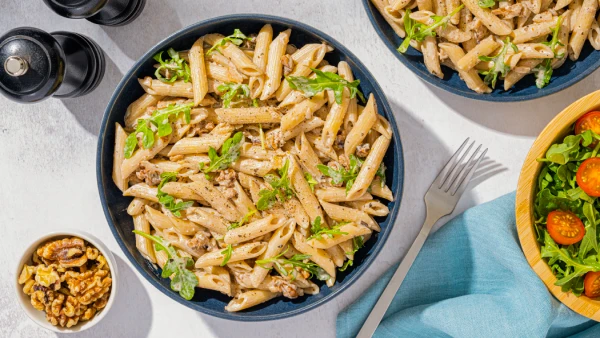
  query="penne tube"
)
[
  {"x": 318, "y": 256},
  {"x": 144, "y": 245},
  {"x": 198, "y": 71},
  {"x": 364, "y": 123},
  {"x": 274, "y": 67},
  {"x": 138, "y": 108},
  {"x": 207, "y": 218},
  {"x": 159, "y": 88},
  {"x": 198, "y": 145},
  {"x": 484, "y": 48},
  {"x": 348, "y": 231},
  {"x": 118, "y": 157},
  {"x": 248, "y": 115},
  {"x": 223, "y": 74},
  {"x": 277, "y": 243},
  {"x": 252, "y": 167},
  {"x": 583, "y": 24},
  {"x": 532, "y": 31},
  {"x": 304, "y": 127},
  {"x": 337, "y": 255},
  {"x": 302, "y": 68},
  {"x": 218, "y": 280},
  {"x": 371, "y": 207},
  {"x": 307, "y": 156},
  {"x": 129, "y": 165},
  {"x": 336, "y": 195},
  {"x": 342, "y": 213},
  {"x": 142, "y": 190},
  {"x": 249, "y": 299},
  {"x": 261, "y": 51},
  {"x": 303, "y": 191},
  {"x": 214, "y": 197},
  {"x": 241, "y": 61},
  {"x": 254, "y": 229},
  {"x": 239, "y": 253},
  {"x": 381, "y": 190},
  {"x": 492, "y": 22},
  {"x": 535, "y": 51},
  {"x": 471, "y": 77},
  {"x": 369, "y": 168},
  {"x": 396, "y": 24},
  {"x": 430, "y": 56},
  {"x": 301, "y": 112},
  {"x": 182, "y": 191},
  {"x": 136, "y": 206}
]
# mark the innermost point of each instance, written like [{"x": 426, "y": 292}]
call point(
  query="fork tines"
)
[{"x": 457, "y": 173}]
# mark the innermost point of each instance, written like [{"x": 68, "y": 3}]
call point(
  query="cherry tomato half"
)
[
  {"x": 588, "y": 176},
  {"x": 591, "y": 284},
  {"x": 589, "y": 121},
  {"x": 565, "y": 227}
]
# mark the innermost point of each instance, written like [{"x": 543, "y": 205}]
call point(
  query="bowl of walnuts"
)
[{"x": 66, "y": 281}]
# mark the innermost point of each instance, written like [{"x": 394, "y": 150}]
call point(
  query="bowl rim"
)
[
  {"x": 383, "y": 235},
  {"x": 28, "y": 253},
  {"x": 525, "y": 196},
  {"x": 470, "y": 94}
]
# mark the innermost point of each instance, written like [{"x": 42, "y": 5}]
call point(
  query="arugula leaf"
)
[
  {"x": 590, "y": 239},
  {"x": 357, "y": 243},
  {"x": 418, "y": 31},
  {"x": 319, "y": 231},
  {"x": 298, "y": 260},
  {"x": 184, "y": 281},
  {"x": 342, "y": 175},
  {"x": 311, "y": 181},
  {"x": 237, "y": 38},
  {"x": 131, "y": 142},
  {"x": 226, "y": 254},
  {"x": 281, "y": 189},
  {"x": 347, "y": 263},
  {"x": 570, "y": 149},
  {"x": 162, "y": 119},
  {"x": 176, "y": 65},
  {"x": 486, "y": 3},
  {"x": 230, "y": 152},
  {"x": 576, "y": 266},
  {"x": 499, "y": 67},
  {"x": 243, "y": 221},
  {"x": 231, "y": 90},
  {"x": 167, "y": 200},
  {"x": 325, "y": 80},
  {"x": 543, "y": 71}
]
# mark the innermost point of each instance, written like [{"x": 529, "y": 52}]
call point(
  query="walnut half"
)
[{"x": 69, "y": 252}]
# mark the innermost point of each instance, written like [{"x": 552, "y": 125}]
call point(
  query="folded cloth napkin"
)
[{"x": 470, "y": 280}]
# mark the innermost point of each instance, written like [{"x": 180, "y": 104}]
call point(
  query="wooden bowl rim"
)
[{"x": 526, "y": 188}]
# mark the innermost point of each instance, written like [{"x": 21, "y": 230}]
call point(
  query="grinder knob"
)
[
  {"x": 35, "y": 64},
  {"x": 101, "y": 12}
]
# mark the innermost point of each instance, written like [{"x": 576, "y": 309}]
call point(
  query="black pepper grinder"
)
[
  {"x": 35, "y": 65},
  {"x": 101, "y": 12}
]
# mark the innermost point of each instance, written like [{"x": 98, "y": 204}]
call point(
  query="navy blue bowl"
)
[
  {"x": 567, "y": 75},
  {"x": 115, "y": 205}
]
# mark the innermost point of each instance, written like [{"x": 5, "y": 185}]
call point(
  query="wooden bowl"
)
[{"x": 556, "y": 130}]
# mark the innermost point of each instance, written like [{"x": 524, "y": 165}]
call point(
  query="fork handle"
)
[{"x": 385, "y": 299}]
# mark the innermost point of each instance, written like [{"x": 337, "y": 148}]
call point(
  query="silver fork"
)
[{"x": 440, "y": 200}]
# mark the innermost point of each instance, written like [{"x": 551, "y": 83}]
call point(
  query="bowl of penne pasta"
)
[
  {"x": 492, "y": 50},
  {"x": 250, "y": 167}
]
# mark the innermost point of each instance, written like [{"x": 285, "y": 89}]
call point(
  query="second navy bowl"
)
[
  {"x": 565, "y": 76},
  {"x": 115, "y": 204}
]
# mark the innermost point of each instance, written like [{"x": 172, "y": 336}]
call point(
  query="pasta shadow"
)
[
  {"x": 157, "y": 20},
  {"x": 88, "y": 109}
]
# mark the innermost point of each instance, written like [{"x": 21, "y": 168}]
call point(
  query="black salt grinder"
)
[
  {"x": 101, "y": 12},
  {"x": 35, "y": 64}
]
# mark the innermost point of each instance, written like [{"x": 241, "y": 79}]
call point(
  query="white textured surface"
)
[{"x": 47, "y": 158}]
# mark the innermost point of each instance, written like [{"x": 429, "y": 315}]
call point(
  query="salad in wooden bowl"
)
[{"x": 558, "y": 210}]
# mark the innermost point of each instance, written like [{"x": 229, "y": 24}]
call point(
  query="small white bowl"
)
[{"x": 39, "y": 317}]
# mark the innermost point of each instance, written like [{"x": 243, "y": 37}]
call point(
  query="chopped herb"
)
[
  {"x": 226, "y": 254},
  {"x": 543, "y": 71},
  {"x": 323, "y": 81},
  {"x": 231, "y": 91},
  {"x": 184, "y": 281},
  {"x": 311, "y": 181},
  {"x": 499, "y": 67},
  {"x": 237, "y": 38},
  {"x": 342, "y": 175},
  {"x": 176, "y": 66},
  {"x": 381, "y": 174},
  {"x": 418, "y": 31},
  {"x": 298, "y": 260},
  {"x": 318, "y": 231},
  {"x": 167, "y": 200},
  {"x": 486, "y": 3},
  {"x": 282, "y": 190},
  {"x": 230, "y": 152},
  {"x": 243, "y": 221}
]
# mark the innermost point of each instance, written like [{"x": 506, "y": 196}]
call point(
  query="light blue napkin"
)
[{"x": 470, "y": 280}]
